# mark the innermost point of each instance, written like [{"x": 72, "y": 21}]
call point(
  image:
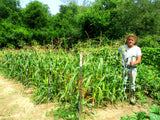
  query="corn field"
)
[{"x": 55, "y": 75}]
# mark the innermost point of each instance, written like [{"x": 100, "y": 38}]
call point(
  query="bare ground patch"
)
[{"x": 15, "y": 103}]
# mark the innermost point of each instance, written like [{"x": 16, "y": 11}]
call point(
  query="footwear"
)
[{"x": 132, "y": 99}]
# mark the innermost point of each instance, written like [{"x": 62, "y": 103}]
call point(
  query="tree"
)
[
  {"x": 68, "y": 20},
  {"x": 36, "y": 15},
  {"x": 8, "y": 7},
  {"x": 97, "y": 18},
  {"x": 138, "y": 17}
]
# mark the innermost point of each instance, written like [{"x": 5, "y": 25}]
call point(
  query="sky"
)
[{"x": 54, "y": 5}]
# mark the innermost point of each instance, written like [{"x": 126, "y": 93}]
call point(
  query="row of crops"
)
[{"x": 55, "y": 75}]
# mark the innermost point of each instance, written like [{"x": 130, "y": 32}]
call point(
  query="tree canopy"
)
[
  {"x": 36, "y": 15},
  {"x": 110, "y": 19}
]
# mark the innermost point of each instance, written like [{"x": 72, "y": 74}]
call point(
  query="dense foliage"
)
[
  {"x": 36, "y": 69},
  {"x": 151, "y": 56},
  {"x": 148, "y": 82},
  {"x": 59, "y": 71},
  {"x": 102, "y": 20}
]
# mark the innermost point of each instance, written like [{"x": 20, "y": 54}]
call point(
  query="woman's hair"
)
[{"x": 131, "y": 35}]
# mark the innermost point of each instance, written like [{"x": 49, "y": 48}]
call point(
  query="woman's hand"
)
[{"x": 136, "y": 62}]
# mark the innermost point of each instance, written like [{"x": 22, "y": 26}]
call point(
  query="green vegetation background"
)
[{"x": 103, "y": 20}]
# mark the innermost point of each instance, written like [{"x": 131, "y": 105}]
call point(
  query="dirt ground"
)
[{"x": 16, "y": 104}]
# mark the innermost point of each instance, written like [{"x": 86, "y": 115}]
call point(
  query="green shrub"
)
[
  {"x": 149, "y": 41},
  {"x": 148, "y": 82},
  {"x": 151, "y": 56}
]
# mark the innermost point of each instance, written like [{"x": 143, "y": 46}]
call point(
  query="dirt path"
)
[
  {"x": 118, "y": 111},
  {"x": 15, "y": 104}
]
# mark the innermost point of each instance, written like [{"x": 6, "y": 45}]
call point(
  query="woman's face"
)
[{"x": 130, "y": 42}]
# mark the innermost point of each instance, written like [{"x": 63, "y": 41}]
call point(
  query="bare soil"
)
[
  {"x": 115, "y": 112},
  {"x": 16, "y": 104}
]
